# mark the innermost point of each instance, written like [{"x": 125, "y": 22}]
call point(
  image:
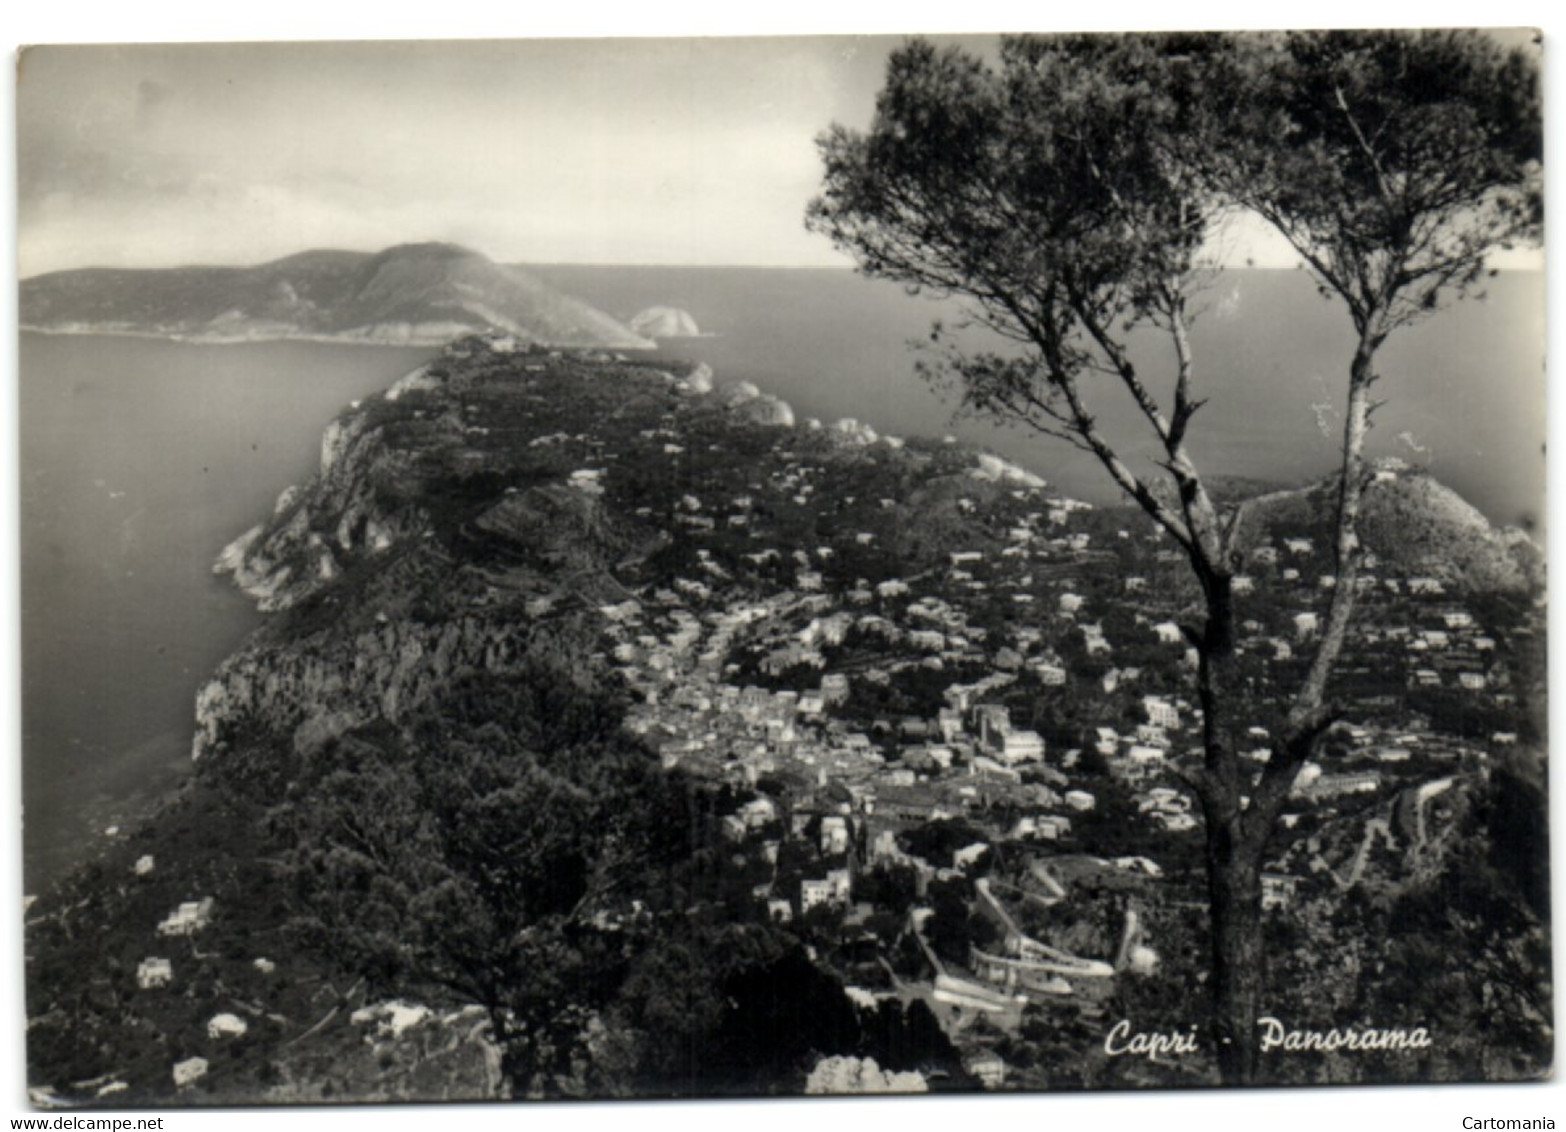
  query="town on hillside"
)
[{"x": 965, "y": 783}]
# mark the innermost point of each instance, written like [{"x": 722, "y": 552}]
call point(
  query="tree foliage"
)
[
  {"x": 1048, "y": 196},
  {"x": 512, "y": 847},
  {"x": 1393, "y": 162},
  {"x": 494, "y": 859}
]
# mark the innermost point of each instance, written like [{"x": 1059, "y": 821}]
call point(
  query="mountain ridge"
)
[{"x": 408, "y": 294}]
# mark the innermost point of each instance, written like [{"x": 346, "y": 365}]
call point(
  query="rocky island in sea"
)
[
  {"x": 612, "y": 732},
  {"x": 665, "y": 322}
]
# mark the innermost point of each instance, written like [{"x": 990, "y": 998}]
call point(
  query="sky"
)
[
  {"x": 659, "y": 151},
  {"x": 694, "y": 151}
]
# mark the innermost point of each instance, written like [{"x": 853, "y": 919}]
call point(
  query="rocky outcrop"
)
[
  {"x": 420, "y": 378},
  {"x": 439, "y": 526},
  {"x": 838, "y": 1076},
  {"x": 396, "y": 1052},
  {"x": 739, "y": 393},
  {"x": 851, "y": 431},
  {"x": 700, "y": 380},
  {"x": 665, "y": 322},
  {"x": 1421, "y": 526},
  {"x": 324, "y": 687},
  {"x": 410, "y": 513},
  {"x": 995, "y": 470},
  {"x": 767, "y": 410},
  {"x": 748, "y": 403}
]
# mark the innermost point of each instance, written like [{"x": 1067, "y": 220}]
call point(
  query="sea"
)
[{"x": 142, "y": 458}]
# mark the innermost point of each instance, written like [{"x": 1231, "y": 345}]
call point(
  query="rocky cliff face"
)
[{"x": 428, "y": 544}]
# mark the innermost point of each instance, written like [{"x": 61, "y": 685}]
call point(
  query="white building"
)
[
  {"x": 968, "y": 854},
  {"x": 1278, "y": 890},
  {"x": 1052, "y": 827},
  {"x": 1021, "y": 746},
  {"x": 1152, "y": 735},
  {"x": 814, "y": 893},
  {"x": 153, "y": 972},
  {"x": 1161, "y": 713},
  {"x": 226, "y": 1026},
  {"x": 1051, "y": 675},
  {"x": 834, "y": 834},
  {"x": 188, "y": 918},
  {"x": 189, "y": 1071}
]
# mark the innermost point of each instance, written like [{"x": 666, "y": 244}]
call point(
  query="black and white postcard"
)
[{"x": 782, "y": 566}]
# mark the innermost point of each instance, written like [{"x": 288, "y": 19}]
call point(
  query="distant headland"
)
[{"x": 407, "y": 295}]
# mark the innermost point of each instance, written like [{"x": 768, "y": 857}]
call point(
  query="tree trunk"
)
[
  {"x": 1234, "y": 886},
  {"x": 1240, "y": 814},
  {"x": 1234, "y": 850},
  {"x": 1346, "y": 544}
]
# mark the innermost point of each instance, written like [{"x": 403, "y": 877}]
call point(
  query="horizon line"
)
[{"x": 1519, "y": 268}]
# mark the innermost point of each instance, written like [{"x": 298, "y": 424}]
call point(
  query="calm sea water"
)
[{"x": 141, "y": 459}]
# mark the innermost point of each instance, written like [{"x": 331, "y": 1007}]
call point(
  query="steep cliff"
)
[
  {"x": 425, "y": 546},
  {"x": 484, "y": 492}
]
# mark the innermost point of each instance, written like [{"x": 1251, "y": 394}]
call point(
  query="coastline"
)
[{"x": 320, "y": 339}]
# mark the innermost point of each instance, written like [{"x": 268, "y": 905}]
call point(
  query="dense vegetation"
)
[{"x": 514, "y": 849}]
